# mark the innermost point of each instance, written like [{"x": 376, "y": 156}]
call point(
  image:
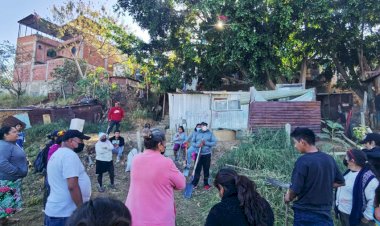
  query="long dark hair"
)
[
  {"x": 152, "y": 137},
  {"x": 360, "y": 159},
  {"x": 4, "y": 130},
  {"x": 253, "y": 204},
  {"x": 376, "y": 202},
  {"x": 101, "y": 211}
]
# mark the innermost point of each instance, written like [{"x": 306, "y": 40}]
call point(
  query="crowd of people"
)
[{"x": 317, "y": 185}]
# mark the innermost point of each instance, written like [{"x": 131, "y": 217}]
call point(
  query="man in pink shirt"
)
[{"x": 153, "y": 181}]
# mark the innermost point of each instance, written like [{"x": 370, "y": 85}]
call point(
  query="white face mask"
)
[{"x": 204, "y": 128}]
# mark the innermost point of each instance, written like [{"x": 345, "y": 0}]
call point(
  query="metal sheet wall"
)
[
  {"x": 195, "y": 108},
  {"x": 277, "y": 114}
]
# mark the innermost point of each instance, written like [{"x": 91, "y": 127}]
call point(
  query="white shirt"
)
[
  {"x": 104, "y": 151},
  {"x": 64, "y": 164},
  {"x": 344, "y": 195}
]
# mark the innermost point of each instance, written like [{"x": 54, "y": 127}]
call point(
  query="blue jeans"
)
[
  {"x": 190, "y": 150},
  {"x": 312, "y": 218},
  {"x": 55, "y": 221},
  {"x": 118, "y": 151}
]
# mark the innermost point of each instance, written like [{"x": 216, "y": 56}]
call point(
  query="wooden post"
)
[
  {"x": 364, "y": 109},
  {"x": 288, "y": 131},
  {"x": 163, "y": 107},
  {"x": 138, "y": 136}
]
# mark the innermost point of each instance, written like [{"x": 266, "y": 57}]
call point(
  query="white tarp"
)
[{"x": 285, "y": 95}]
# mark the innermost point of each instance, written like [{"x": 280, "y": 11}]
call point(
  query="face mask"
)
[
  {"x": 198, "y": 129},
  {"x": 103, "y": 140},
  {"x": 79, "y": 148},
  {"x": 345, "y": 162},
  {"x": 204, "y": 128}
]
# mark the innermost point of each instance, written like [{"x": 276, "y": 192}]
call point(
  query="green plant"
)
[
  {"x": 140, "y": 113},
  {"x": 333, "y": 131},
  {"x": 360, "y": 132}
]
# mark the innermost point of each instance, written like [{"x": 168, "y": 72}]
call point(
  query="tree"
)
[
  {"x": 67, "y": 75},
  {"x": 91, "y": 30},
  {"x": 265, "y": 42},
  {"x": 10, "y": 75}
]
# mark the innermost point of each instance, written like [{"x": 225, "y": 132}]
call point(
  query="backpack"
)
[{"x": 41, "y": 161}]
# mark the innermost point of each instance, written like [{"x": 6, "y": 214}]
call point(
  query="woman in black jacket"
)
[{"x": 241, "y": 204}]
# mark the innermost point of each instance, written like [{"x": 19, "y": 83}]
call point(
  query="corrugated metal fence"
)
[{"x": 277, "y": 114}]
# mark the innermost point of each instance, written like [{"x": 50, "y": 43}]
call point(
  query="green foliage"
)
[
  {"x": 261, "y": 40},
  {"x": 7, "y": 53},
  {"x": 39, "y": 132},
  {"x": 333, "y": 131},
  {"x": 97, "y": 85},
  {"x": 8, "y": 101},
  {"x": 360, "y": 132},
  {"x": 140, "y": 113}
]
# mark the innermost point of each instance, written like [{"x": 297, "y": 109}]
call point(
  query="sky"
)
[{"x": 12, "y": 11}]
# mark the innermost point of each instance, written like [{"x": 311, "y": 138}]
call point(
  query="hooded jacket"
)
[
  {"x": 209, "y": 139},
  {"x": 103, "y": 149}
]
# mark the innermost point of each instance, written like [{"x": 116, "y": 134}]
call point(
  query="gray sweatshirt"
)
[
  {"x": 209, "y": 139},
  {"x": 13, "y": 163}
]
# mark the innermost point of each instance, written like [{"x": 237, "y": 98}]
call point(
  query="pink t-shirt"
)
[
  {"x": 151, "y": 193},
  {"x": 52, "y": 149}
]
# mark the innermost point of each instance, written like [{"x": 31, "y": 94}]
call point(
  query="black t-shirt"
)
[
  {"x": 312, "y": 180},
  {"x": 119, "y": 141}
]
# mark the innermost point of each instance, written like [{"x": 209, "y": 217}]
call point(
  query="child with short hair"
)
[
  {"x": 314, "y": 177},
  {"x": 118, "y": 143},
  {"x": 21, "y": 135}
]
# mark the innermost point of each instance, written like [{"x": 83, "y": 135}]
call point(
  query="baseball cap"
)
[
  {"x": 204, "y": 124},
  {"x": 71, "y": 133},
  {"x": 371, "y": 137}
]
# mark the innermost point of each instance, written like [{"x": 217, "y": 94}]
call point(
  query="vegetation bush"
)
[{"x": 10, "y": 101}]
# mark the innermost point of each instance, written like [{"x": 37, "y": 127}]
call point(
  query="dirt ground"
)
[{"x": 188, "y": 212}]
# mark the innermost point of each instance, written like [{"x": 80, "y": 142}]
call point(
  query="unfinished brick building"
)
[{"x": 41, "y": 48}]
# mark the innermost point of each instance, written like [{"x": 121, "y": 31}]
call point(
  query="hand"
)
[
  {"x": 364, "y": 220},
  {"x": 287, "y": 197}
]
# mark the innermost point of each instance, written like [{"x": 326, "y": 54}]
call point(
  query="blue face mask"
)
[{"x": 198, "y": 129}]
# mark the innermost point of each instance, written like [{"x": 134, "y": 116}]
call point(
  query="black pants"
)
[
  {"x": 345, "y": 220},
  {"x": 204, "y": 162},
  {"x": 112, "y": 124},
  {"x": 111, "y": 173}
]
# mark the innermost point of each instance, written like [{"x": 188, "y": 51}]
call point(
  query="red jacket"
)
[{"x": 116, "y": 114}]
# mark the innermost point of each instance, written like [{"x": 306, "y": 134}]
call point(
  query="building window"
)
[
  {"x": 223, "y": 104},
  {"x": 39, "y": 47},
  {"x": 51, "y": 53}
]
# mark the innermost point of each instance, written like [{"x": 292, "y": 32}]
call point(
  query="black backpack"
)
[{"x": 41, "y": 161}]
